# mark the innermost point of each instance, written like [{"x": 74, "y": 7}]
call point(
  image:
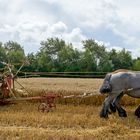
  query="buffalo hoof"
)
[
  {"x": 122, "y": 112},
  {"x": 112, "y": 108},
  {"x": 137, "y": 112},
  {"x": 104, "y": 114}
]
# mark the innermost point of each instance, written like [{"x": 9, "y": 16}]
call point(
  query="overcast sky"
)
[{"x": 115, "y": 23}]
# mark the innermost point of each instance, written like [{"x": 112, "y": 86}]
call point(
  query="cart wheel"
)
[{"x": 43, "y": 107}]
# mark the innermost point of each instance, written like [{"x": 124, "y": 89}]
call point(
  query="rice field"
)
[{"x": 68, "y": 121}]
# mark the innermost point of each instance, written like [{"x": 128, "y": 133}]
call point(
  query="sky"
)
[{"x": 114, "y": 23}]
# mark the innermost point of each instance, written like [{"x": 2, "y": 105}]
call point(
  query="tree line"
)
[{"x": 55, "y": 55}]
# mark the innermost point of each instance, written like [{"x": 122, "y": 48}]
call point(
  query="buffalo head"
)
[{"x": 106, "y": 87}]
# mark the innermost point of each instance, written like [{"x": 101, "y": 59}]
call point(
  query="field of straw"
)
[{"x": 68, "y": 121}]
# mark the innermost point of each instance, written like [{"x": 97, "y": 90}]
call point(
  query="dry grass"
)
[
  {"x": 62, "y": 85},
  {"x": 68, "y": 122},
  {"x": 70, "y": 86},
  {"x": 23, "y": 121}
]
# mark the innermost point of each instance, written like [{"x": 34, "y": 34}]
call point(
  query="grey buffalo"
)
[{"x": 116, "y": 84}]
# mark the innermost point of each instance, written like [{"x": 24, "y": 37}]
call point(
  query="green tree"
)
[
  {"x": 32, "y": 63},
  {"x": 125, "y": 58},
  {"x": 52, "y": 46},
  {"x": 88, "y": 62},
  {"x": 14, "y": 51},
  {"x": 2, "y": 55},
  {"x": 136, "y": 64},
  {"x": 68, "y": 58},
  {"x": 121, "y": 59},
  {"x": 44, "y": 62},
  {"x": 95, "y": 56},
  {"x": 105, "y": 65},
  {"x": 48, "y": 55}
]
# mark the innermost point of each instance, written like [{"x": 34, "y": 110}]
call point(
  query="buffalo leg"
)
[
  {"x": 105, "y": 109},
  {"x": 112, "y": 107},
  {"x": 116, "y": 103}
]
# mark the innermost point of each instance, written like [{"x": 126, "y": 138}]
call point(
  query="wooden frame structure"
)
[{"x": 8, "y": 96}]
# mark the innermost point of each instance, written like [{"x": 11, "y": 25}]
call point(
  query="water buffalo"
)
[{"x": 116, "y": 84}]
